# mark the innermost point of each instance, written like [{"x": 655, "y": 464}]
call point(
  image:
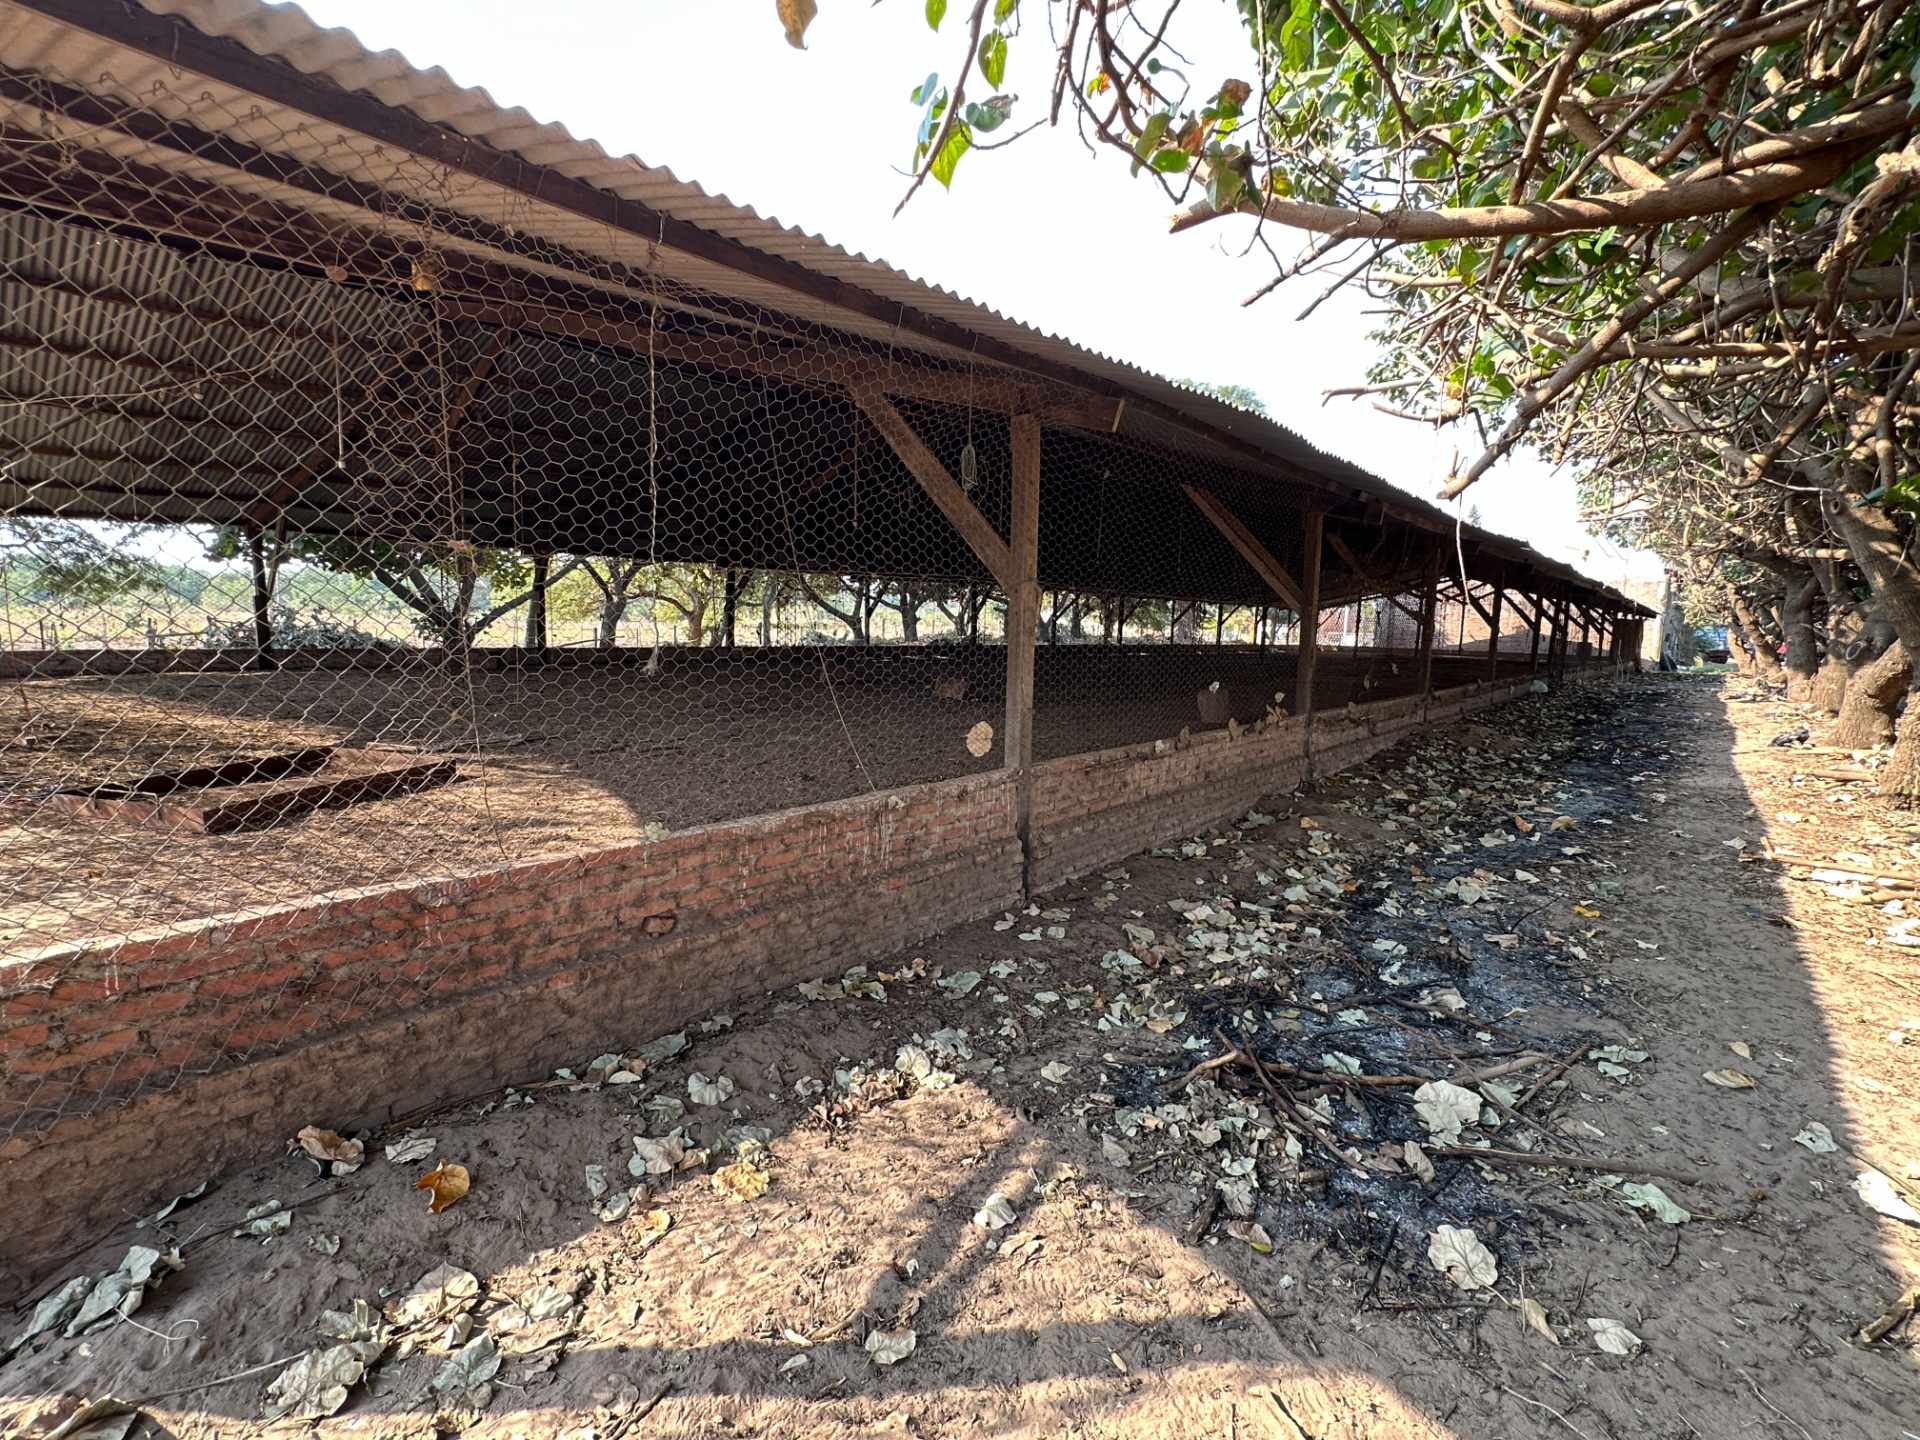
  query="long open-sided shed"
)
[{"x": 377, "y": 336}]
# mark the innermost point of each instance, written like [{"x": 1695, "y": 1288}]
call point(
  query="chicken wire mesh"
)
[{"x": 363, "y": 539}]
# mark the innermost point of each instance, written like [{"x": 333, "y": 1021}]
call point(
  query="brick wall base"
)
[{"x": 130, "y": 1069}]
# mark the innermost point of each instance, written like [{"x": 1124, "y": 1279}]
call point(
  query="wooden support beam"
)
[
  {"x": 1243, "y": 540},
  {"x": 942, "y": 488},
  {"x": 1347, "y": 557},
  {"x": 1533, "y": 655},
  {"x": 1481, "y": 610},
  {"x": 1312, "y": 529},
  {"x": 1023, "y": 616},
  {"x": 1493, "y": 639},
  {"x": 1429, "y": 608}
]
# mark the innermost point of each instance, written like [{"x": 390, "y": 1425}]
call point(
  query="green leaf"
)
[
  {"x": 1296, "y": 36},
  {"x": 1170, "y": 162},
  {"x": 989, "y": 115},
  {"x": 1150, "y": 135},
  {"x": 1225, "y": 186},
  {"x": 1003, "y": 8},
  {"x": 923, "y": 92},
  {"x": 993, "y": 58},
  {"x": 936, "y": 12},
  {"x": 958, "y": 142},
  {"x": 930, "y": 121}
]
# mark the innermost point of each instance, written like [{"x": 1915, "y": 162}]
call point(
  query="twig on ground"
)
[
  {"x": 1552, "y": 1075},
  {"x": 1754, "y": 1386},
  {"x": 1878, "y": 1329},
  {"x": 1542, "y": 1405},
  {"x": 1607, "y": 1163},
  {"x": 1203, "y": 1218},
  {"x": 1373, "y": 1283}
]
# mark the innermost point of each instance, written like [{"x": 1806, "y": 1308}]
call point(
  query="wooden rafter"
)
[
  {"x": 941, "y": 488},
  {"x": 1247, "y": 544}
]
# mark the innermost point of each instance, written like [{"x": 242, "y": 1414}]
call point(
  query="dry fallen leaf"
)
[
  {"x": 1523, "y": 825},
  {"x": 1457, "y": 1253},
  {"x": 1741, "y": 1048},
  {"x": 742, "y": 1180},
  {"x": 330, "y": 1145},
  {"x": 1729, "y": 1079},
  {"x": 890, "y": 1347},
  {"x": 1613, "y": 1337},
  {"x": 1535, "y": 1314},
  {"x": 795, "y": 16},
  {"x": 653, "y": 1227},
  {"x": 447, "y": 1184},
  {"x": 1585, "y": 912}
]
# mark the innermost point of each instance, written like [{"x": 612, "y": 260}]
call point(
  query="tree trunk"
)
[
  {"x": 1873, "y": 538},
  {"x": 909, "y": 616},
  {"x": 262, "y": 596},
  {"x": 536, "y": 638},
  {"x": 1866, "y": 712},
  {"x": 769, "y": 600},
  {"x": 1766, "y": 665},
  {"x": 1847, "y": 651},
  {"x": 1803, "y": 648},
  {"x": 729, "y": 608}
]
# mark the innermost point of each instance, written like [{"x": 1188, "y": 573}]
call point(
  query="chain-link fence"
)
[{"x": 350, "y": 536}]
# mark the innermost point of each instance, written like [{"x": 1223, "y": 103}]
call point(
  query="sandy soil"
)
[{"x": 1121, "y": 1299}]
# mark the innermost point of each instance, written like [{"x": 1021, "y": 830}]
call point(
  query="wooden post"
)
[
  {"x": 262, "y": 596},
  {"x": 1023, "y": 609},
  {"x": 1312, "y": 529},
  {"x": 1533, "y": 653},
  {"x": 1493, "y": 640},
  {"x": 1557, "y": 652},
  {"x": 537, "y": 604},
  {"x": 1429, "y": 611}
]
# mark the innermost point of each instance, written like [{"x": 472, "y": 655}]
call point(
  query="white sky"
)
[{"x": 1041, "y": 231}]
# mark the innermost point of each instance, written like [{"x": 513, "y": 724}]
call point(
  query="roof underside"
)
[{"x": 276, "y": 279}]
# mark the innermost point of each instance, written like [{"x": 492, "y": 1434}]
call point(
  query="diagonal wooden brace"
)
[
  {"x": 1250, "y": 548},
  {"x": 941, "y": 488}
]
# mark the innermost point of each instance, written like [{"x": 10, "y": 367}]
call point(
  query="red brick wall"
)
[{"x": 132, "y": 1070}]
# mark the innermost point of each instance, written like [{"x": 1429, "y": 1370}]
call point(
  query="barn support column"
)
[
  {"x": 1557, "y": 651},
  {"x": 1013, "y": 563},
  {"x": 1533, "y": 652},
  {"x": 1023, "y": 615},
  {"x": 1312, "y": 529},
  {"x": 1429, "y": 612},
  {"x": 1493, "y": 639}
]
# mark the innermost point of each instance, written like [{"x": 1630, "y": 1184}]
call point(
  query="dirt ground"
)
[
  {"x": 551, "y": 759},
  {"x": 1567, "y": 906}
]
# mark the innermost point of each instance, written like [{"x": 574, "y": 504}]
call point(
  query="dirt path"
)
[{"x": 1555, "y": 881}]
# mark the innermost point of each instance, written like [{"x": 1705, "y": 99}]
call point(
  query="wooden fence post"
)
[
  {"x": 1312, "y": 529},
  {"x": 1023, "y": 613},
  {"x": 1493, "y": 640}
]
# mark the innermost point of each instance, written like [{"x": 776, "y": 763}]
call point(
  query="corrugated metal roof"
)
[{"x": 32, "y": 39}]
